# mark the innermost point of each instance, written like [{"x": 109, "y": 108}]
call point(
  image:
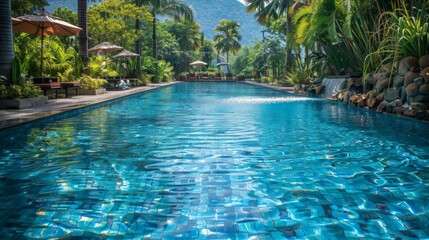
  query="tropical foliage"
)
[
  {"x": 176, "y": 9},
  {"x": 114, "y": 21},
  {"x": 228, "y": 37},
  {"x": 357, "y": 36},
  {"x": 89, "y": 83}
]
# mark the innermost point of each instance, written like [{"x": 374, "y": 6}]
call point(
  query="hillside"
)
[{"x": 208, "y": 14}]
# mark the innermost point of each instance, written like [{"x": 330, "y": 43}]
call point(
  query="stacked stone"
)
[
  {"x": 314, "y": 89},
  {"x": 404, "y": 93}
]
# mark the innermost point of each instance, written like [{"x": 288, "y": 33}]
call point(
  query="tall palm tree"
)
[
  {"x": 82, "y": 9},
  {"x": 171, "y": 8},
  {"x": 6, "y": 41},
  {"x": 273, "y": 9},
  {"x": 228, "y": 37}
]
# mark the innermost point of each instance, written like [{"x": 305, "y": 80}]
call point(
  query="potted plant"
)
[
  {"x": 20, "y": 95},
  {"x": 92, "y": 86}
]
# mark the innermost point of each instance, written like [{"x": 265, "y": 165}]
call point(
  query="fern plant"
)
[
  {"x": 101, "y": 66},
  {"x": 161, "y": 71}
]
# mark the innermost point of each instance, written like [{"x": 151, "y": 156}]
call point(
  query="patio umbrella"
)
[
  {"x": 104, "y": 47},
  {"x": 125, "y": 53},
  {"x": 43, "y": 24},
  {"x": 15, "y": 20},
  {"x": 198, "y": 63}
]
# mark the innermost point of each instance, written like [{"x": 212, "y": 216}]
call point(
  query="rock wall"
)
[{"x": 402, "y": 92}]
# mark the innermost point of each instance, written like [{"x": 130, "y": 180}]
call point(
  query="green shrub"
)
[
  {"x": 89, "y": 83},
  {"x": 144, "y": 79},
  {"x": 212, "y": 70},
  {"x": 19, "y": 91},
  {"x": 161, "y": 71},
  {"x": 265, "y": 80},
  {"x": 101, "y": 66}
]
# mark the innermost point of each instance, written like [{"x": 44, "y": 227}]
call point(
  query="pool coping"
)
[{"x": 13, "y": 117}]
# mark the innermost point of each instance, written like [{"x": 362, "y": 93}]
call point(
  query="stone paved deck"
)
[{"x": 12, "y": 117}]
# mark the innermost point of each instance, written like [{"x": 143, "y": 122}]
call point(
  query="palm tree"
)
[
  {"x": 273, "y": 9},
  {"x": 172, "y": 8},
  {"x": 227, "y": 40},
  {"x": 6, "y": 41},
  {"x": 82, "y": 9}
]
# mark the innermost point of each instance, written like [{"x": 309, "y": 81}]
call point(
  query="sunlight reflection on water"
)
[{"x": 267, "y": 100}]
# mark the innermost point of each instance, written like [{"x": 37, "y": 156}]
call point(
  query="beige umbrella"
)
[
  {"x": 125, "y": 53},
  {"x": 15, "y": 21},
  {"x": 43, "y": 24},
  {"x": 104, "y": 47},
  {"x": 198, "y": 63}
]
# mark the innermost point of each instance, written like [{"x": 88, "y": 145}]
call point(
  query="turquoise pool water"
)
[{"x": 216, "y": 161}]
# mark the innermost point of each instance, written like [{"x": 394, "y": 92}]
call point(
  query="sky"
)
[{"x": 242, "y": 1}]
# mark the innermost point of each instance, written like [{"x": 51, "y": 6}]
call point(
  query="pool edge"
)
[{"x": 38, "y": 114}]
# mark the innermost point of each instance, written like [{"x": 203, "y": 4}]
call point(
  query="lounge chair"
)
[
  {"x": 47, "y": 83},
  {"x": 229, "y": 77},
  {"x": 191, "y": 77},
  {"x": 70, "y": 85},
  {"x": 240, "y": 78},
  {"x": 218, "y": 77},
  {"x": 205, "y": 77}
]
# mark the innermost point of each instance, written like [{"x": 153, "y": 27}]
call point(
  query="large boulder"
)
[
  {"x": 346, "y": 97},
  {"x": 319, "y": 89},
  {"x": 421, "y": 98},
  {"x": 390, "y": 94},
  {"x": 410, "y": 112},
  {"x": 398, "y": 81},
  {"x": 380, "y": 97},
  {"x": 408, "y": 64},
  {"x": 410, "y": 76},
  {"x": 372, "y": 102},
  {"x": 424, "y": 61},
  {"x": 372, "y": 94},
  {"x": 382, "y": 84},
  {"x": 362, "y": 101},
  {"x": 403, "y": 94},
  {"x": 398, "y": 110},
  {"x": 425, "y": 74},
  {"x": 419, "y": 106},
  {"x": 370, "y": 79},
  {"x": 297, "y": 87},
  {"x": 381, "y": 107},
  {"x": 419, "y": 81},
  {"x": 354, "y": 84},
  {"x": 412, "y": 90},
  {"x": 424, "y": 89},
  {"x": 318, "y": 81},
  {"x": 396, "y": 103}
]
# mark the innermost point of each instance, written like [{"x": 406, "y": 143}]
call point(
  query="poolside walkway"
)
[{"x": 12, "y": 117}]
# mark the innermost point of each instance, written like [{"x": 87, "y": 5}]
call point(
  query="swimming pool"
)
[{"x": 216, "y": 160}]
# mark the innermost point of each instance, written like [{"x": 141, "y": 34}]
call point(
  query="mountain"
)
[{"x": 208, "y": 13}]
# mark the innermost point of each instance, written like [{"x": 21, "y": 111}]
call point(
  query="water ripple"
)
[{"x": 216, "y": 163}]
